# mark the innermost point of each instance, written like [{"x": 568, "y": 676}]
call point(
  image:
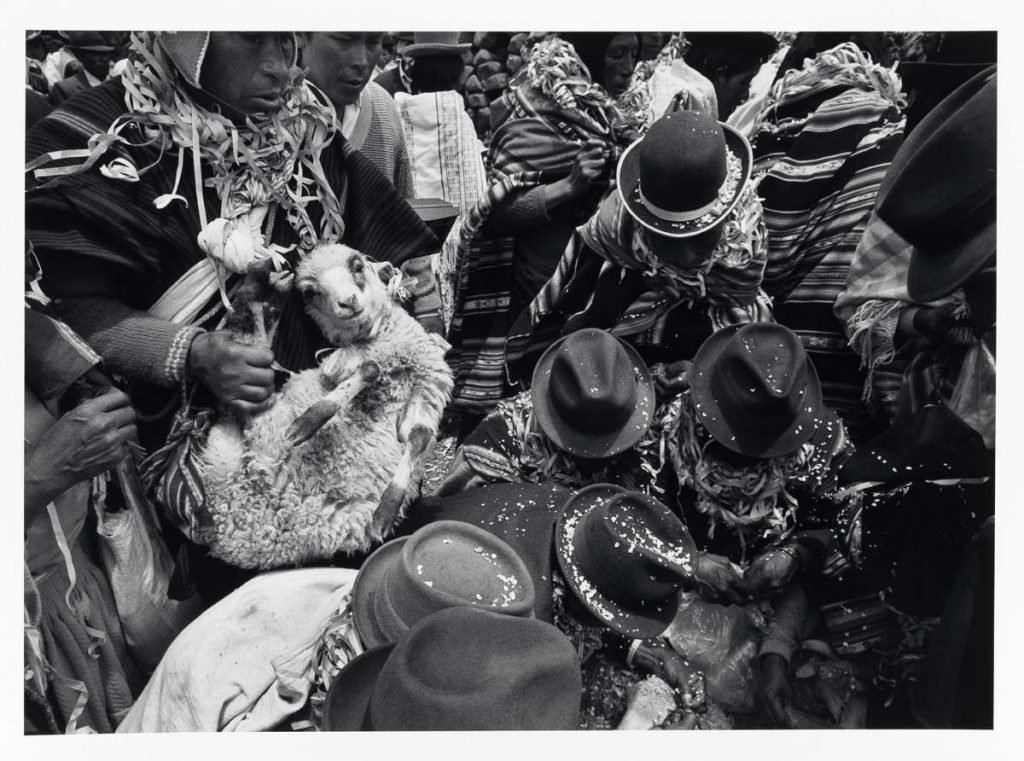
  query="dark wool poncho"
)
[{"x": 108, "y": 253}]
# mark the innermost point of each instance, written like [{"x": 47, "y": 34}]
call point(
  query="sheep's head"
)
[{"x": 345, "y": 292}]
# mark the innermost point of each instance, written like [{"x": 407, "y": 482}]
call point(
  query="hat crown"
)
[
  {"x": 633, "y": 549},
  {"x": 444, "y": 564},
  {"x": 466, "y": 669},
  {"x": 761, "y": 376},
  {"x": 682, "y": 161},
  {"x": 87, "y": 41},
  {"x": 593, "y": 382}
]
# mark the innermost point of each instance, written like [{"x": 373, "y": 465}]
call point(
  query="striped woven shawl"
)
[{"x": 823, "y": 144}]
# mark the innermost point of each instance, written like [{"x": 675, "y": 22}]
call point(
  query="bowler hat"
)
[
  {"x": 626, "y": 557},
  {"x": 92, "y": 41},
  {"x": 932, "y": 444},
  {"x": 685, "y": 175},
  {"x": 755, "y": 390},
  {"x": 461, "y": 669},
  {"x": 444, "y": 564},
  {"x": 592, "y": 394},
  {"x": 434, "y": 43},
  {"x": 760, "y": 45},
  {"x": 940, "y": 192}
]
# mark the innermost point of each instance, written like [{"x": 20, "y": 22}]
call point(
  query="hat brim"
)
[
  {"x": 634, "y": 621},
  {"x": 368, "y": 581},
  {"x": 744, "y": 440},
  {"x": 425, "y": 49},
  {"x": 934, "y": 275},
  {"x": 628, "y": 180},
  {"x": 580, "y": 443},
  {"x": 348, "y": 698}
]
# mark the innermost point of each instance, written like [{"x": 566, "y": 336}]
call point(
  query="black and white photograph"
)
[{"x": 447, "y": 381}]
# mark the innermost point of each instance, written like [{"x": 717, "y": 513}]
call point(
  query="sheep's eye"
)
[{"x": 357, "y": 267}]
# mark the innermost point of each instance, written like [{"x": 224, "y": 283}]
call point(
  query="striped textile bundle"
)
[
  {"x": 823, "y": 143},
  {"x": 482, "y": 298}
]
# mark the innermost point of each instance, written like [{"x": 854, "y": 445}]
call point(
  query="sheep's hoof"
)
[
  {"x": 391, "y": 503},
  {"x": 282, "y": 281},
  {"x": 369, "y": 371},
  {"x": 305, "y": 426}
]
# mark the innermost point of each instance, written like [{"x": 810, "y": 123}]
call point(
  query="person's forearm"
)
[
  {"x": 789, "y": 608},
  {"x": 530, "y": 208},
  {"x": 133, "y": 344},
  {"x": 39, "y": 491}
]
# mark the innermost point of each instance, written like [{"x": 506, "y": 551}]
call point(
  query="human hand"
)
[
  {"x": 87, "y": 440},
  {"x": 588, "y": 166},
  {"x": 656, "y": 657},
  {"x": 942, "y": 324},
  {"x": 717, "y": 580},
  {"x": 671, "y": 379},
  {"x": 239, "y": 376},
  {"x": 772, "y": 570},
  {"x": 776, "y": 691}
]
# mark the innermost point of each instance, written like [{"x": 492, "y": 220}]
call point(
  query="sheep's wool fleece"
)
[{"x": 328, "y": 503}]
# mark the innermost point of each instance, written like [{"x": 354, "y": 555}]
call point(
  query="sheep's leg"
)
[
  {"x": 306, "y": 425},
  {"x": 400, "y": 490}
]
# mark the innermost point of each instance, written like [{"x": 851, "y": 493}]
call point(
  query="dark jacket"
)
[{"x": 69, "y": 87}]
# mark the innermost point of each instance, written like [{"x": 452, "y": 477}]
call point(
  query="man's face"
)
[
  {"x": 341, "y": 63},
  {"x": 685, "y": 253},
  {"x": 249, "y": 71},
  {"x": 95, "y": 62}
]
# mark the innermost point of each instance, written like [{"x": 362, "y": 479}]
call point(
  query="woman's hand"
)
[
  {"x": 717, "y": 580},
  {"x": 588, "y": 167},
  {"x": 776, "y": 690},
  {"x": 671, "y": 379},
  {"x": 88, "y": 440},
  {"x": 654, "y": 656},
  {"x": 239, "y": 376},
  {"x": 772, "y": 570}
]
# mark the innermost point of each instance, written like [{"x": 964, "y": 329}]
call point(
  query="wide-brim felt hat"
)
[
  {"x": 520, "y": 514},
  {"x": 91, "y": 41},
  {"x": 940, "y": 191},
  {"x": 933, "y": 444},
  {"x": 626, "y": 557},
  {"x": 614, "y": 403},
  {"x": 760, "y": 44},
  {"x": 461, "y": 669},
  {"x": 444, "y": 564},
  {"x": 433, "y": 44},
  {"x": 686, "y": 175},
  {"x": 755, "y": 389}
]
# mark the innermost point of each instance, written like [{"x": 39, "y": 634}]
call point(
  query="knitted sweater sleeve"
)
[{"x": 132, "y": 343}]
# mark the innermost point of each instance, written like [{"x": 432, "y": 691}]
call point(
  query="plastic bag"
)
[
  {"x": 139, "y": 567},
  {"x": 974, "y": 396},
  {"x": 722, "y": 641}
]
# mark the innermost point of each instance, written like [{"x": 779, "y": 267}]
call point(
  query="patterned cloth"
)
[
  {"x": 447, "y": 163},
  {"x": 482, "y": 295},
  {"x": 608, "y": 279},
  {"x": 823, "y": 142}
]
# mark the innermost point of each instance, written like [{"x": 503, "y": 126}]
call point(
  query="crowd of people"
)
[{"x": 717, "y": 441}]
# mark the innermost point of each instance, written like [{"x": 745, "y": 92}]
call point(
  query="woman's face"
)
[
  {"x": 685, "y": 253},
  {"x": 249, "y": 71},
  {"x": 619, "y": 62}
]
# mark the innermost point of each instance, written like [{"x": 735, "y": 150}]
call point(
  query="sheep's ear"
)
[{"x": 385, "y": 271}]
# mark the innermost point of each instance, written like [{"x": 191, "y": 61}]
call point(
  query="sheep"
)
[{"x": 334, "y": 462}]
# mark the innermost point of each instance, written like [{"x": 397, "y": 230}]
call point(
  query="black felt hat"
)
[
  {"x": 461, "y": 669},
  {"x": 592, "y": 394},
  {"x": 626, "y": 557},
  {"x": 932, "y": 444},
  {"x": 940, "y": 192},
  {"x": 755, "y": 389},
  {"x": 685, "y": 175}
]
